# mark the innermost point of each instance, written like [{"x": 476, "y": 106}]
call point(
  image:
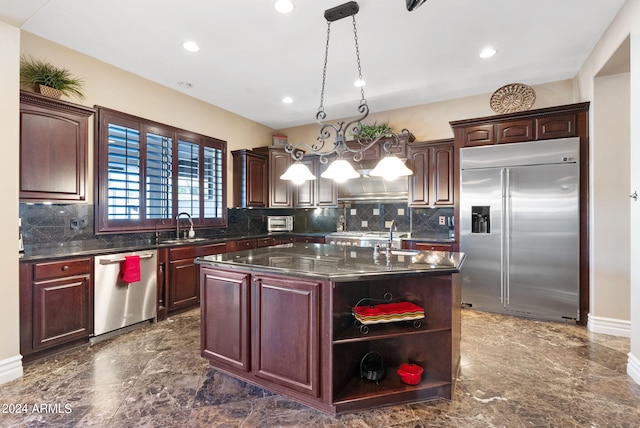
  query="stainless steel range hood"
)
[{"x": 368, "y": 188}]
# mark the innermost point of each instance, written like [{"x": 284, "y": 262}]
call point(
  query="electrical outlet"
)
[
  {"x": 441, "y": 220},
  {"x": 75, "y": 224}
]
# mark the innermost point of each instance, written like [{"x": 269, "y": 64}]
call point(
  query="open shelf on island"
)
[{"x": 385, "y": 331}]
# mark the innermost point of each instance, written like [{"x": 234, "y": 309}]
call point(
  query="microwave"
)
[{"x": 279, "y": 223}]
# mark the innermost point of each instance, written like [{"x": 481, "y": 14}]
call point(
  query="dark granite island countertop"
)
[
  {"x": 283, "y": 318},
  {"x": 337, "y": 263}
]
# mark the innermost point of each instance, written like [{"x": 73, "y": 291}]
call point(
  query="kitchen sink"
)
[{"x": 182, "y": 241}]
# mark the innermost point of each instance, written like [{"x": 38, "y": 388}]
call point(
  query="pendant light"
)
[
  {"x": 298, "y": 173},
  {"x": 340, "y": 169}
]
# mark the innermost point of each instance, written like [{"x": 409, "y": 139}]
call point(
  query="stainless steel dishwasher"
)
[{"x": 117, "y": 304}]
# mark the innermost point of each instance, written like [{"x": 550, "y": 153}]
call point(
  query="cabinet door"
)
[
  {"x": 326, "y": 190},
  {"x": 62, "y": 311},
  {"x": 183, "y": 284},
  {"x": 280, "y": 193},
  {"x": 306, "y": 192},
  {"x": 514, "y": 131},
  {"x": 419, "y": 184},
  {"x": 558, "y": 126},
  {"x": 53, "y": 149},
  {"x": 225, "y": 312},
  {"x": 286, "y": 349},
  {"x": 478, "y": 135},
  {"x": 442, "y": 174}
]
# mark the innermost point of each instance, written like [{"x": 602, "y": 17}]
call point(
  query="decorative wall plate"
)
[{"x": 512, "y": 98}]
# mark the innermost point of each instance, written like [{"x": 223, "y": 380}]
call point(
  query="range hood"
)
[{"x": 370, "y": 188}]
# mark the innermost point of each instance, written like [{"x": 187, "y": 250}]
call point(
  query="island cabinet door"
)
[
  {"x": 286, "y": 342},
  {"x": 225, "y": 311}
]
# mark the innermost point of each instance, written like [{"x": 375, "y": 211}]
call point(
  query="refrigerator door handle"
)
[
  {"x": 502, "y": 234},
  {"x": 507, "y": 233}
]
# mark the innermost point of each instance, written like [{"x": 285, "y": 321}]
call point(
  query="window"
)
[{"x": 147, "y": 173}]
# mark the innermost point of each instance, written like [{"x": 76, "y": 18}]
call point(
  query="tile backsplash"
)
[{"x": 44, "y": 224}]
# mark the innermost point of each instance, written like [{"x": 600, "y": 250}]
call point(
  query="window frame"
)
[{"x": 103, "y": 224}]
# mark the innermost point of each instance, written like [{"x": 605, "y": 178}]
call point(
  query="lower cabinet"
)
[
  {"x": 56, "y": 305},
  {"x": 257, "y": 340},
  {"x": 298, "y": 333},
  {"x": 296, "y": 336},
  {"x": 184, "y": 275}
]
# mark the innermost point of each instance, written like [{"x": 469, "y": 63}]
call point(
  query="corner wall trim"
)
[
  {"x": 611, "y": 326},
  {"x": 10, "y": 369},
  {"x": 633, "y": 368}
]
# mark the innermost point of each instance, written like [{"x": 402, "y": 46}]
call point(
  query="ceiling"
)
[{"x": 251, "y": 56}]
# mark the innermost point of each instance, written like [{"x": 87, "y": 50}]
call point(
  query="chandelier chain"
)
[
  {"x": 355, "y": 38},
  {"x": 324, "y": 68}
]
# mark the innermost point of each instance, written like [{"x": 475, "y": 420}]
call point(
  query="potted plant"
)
[
  {"x": 48, "y": 79},
  {"x": 369, "y": 132}
]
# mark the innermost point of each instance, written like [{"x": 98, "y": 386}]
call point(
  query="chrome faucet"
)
[
  {"x": 178, "y": 223},
  {"x": 391, "y": 225}
]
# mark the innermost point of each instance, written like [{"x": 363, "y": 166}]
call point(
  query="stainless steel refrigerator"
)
[{"x": 519, "y": 228}]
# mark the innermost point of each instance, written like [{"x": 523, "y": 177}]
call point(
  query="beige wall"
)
[
  {"x": 111, "y": 87},
  {"x": 431, "y": 121},
  {"x": 610, "y": 194},
  {"x": 10, "y": 360},
  {"x": 626, "y": 24}
]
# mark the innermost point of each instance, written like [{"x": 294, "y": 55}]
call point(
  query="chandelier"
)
[{"x": 390, "y": 166}]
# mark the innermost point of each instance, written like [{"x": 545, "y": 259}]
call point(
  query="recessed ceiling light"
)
[
  {"x": 487, "y": 52},
  {"x": 359, "y": 83},
  {"x": 191, "y": 46},
  {"x": 283, "y": 6},
  {"x": 185, "y": 84},
  {"x": 287, "y": 100}
]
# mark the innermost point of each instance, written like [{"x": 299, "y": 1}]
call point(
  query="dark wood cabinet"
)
[
  {"x": 250, "y": 179},
  {"x": 432, "y": 181},
  {"x": 296, "y": 336},
  {"x": 56, "y": 305},
  {"x": 309, "y": 239},
  {"x": 226, "y": 306},
  {"x": 321, "y": 192},
  {"x": 280, "y": 191},
  {"x": 265, "y": 242},
  {"x": 53, "y": 149},
  {"x": 298, "y": 332},
  {"x": 537, "y": 125},
  {"x": 184, "y": 275}
]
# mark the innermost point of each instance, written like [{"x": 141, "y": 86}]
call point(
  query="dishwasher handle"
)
[{"x": 121, "y": 259}]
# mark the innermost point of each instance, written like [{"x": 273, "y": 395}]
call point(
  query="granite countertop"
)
[
  {"x": 336, "y": 263},
  {"x": 98, "y": 247}
]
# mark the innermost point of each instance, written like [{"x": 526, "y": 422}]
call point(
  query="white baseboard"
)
[
  {"x": 633, "y": 368},
  {"x": 611, "y": 326},
  {"x": 10, "y": 369}
]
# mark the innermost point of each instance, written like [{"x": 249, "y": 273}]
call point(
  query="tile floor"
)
[{"x": 515, "y": 373}]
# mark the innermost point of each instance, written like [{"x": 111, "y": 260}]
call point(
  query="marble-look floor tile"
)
[{"x": 514, "y": 372}]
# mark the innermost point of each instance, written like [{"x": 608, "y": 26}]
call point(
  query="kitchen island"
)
[{"x": 283, "y": 318}]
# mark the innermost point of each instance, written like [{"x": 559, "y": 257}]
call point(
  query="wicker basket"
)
[{"x": 48, "y": 92}]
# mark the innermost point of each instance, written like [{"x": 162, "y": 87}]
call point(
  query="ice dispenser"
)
[{"x": 480, "y": 216}]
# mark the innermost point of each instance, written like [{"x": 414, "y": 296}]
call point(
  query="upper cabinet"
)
[
  {"x": 53, "y": 149},
  {"x": 250, "y": 179},
  {"x": 257, "y": 182},
  {"x": 432, "y": 181}
]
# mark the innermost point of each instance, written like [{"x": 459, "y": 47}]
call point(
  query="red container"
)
[{"x": 410, "y": 373}]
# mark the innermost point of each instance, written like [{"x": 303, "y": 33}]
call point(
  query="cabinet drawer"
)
[
  {"x": 425, "y": 246},
  {"x": 181, "y": 253},
  {"x": 266, "y": 242},
  {"x": 246, "y": 244},
  {"x": 62, "y": 268},
  {"x": 207, "y": 250}
]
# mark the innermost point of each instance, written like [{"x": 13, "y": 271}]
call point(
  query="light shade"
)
[
  {"x": 390, "y": 168},
  {"x": 340, "y": 171},
  {"x": 297, "y": 173}
]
